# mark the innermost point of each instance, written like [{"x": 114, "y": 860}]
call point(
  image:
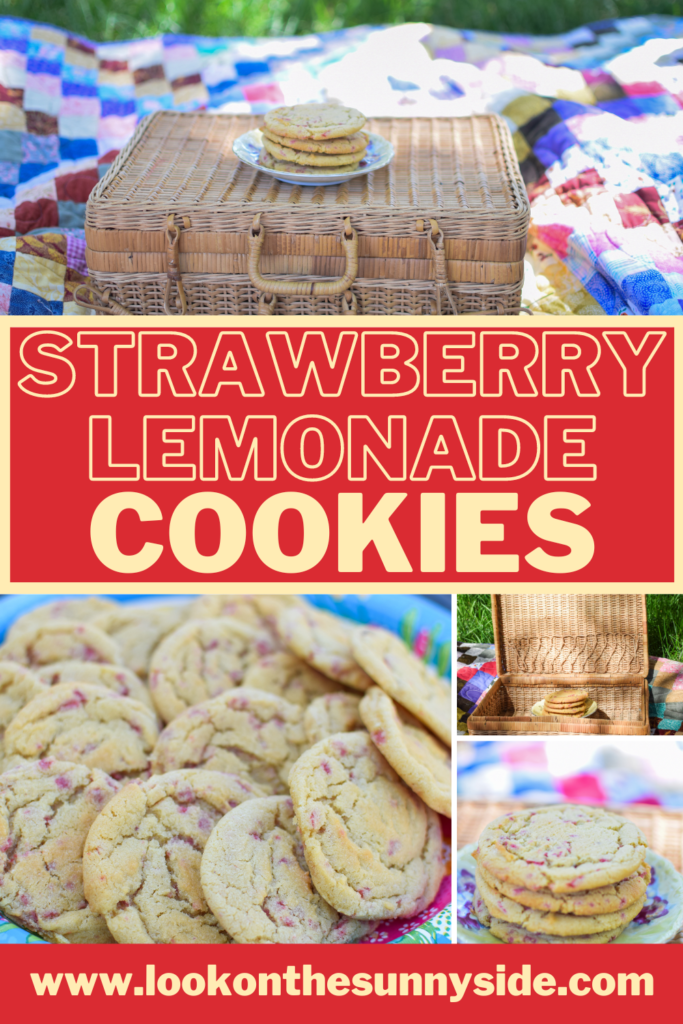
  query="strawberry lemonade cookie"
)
[
  {"x": 566, "y": 848},
  {"x": 138, "y": 630},
  {"x": 46, "y": 810},
  {"x": 112, "y": 677},
  {"x": 78, "y": 609},
  {"x": 605, "y": 900},
  {"x": 253, "y": 734},
  {"x": 18, "y": 686},
  {"x": 289, "y": 677},
  {"x": 356, "y": 143},
  {"x": 314, "y": 121},
  {"x": 550, "y": 923},
  {"x": 324, "y": 641},
  {"x": 335, "y": 712},
  {"x": 202, "y": 659},
  {"x": 231, "y": 606},
  {"x": 257, "y": 883},
  {"x": 87, "y": 725},
  {"x": 297, "y": 156},
  {"x": 142, "y": 857},
  {"x": 60, "y": 640},
  {"x": 420, "y": 759},
  {"x": 404, "y": 677},
  {"x": 373, "y": 848}
]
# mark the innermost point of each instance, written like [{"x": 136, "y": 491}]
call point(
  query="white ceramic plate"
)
[
  {"x": 378, "y": 154},
  {"x": 537, "y": 710},
  {"x": 658, "y": 922}
]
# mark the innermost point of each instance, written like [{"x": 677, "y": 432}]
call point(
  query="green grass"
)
[
  {"x": 474, "y": 623},
  {"x": 664, "y": 623},
  {"x": 103, "y": 20}
]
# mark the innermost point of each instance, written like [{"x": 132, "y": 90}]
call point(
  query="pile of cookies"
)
[
  {"x": 560, "y": 874},
  {"x": 313, "y": 138},
  {"x": 230, "y": 769},
  {"x": 570, "y": 702}
]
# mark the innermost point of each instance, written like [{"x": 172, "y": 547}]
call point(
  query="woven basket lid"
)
[
  {"x": 461, "y": 171},
  {"x": 556, "y": 634}
]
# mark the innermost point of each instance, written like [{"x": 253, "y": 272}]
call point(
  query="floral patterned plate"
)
[
  {"x": 658, "y": 922},
  {"x": 426, "y": 628}
]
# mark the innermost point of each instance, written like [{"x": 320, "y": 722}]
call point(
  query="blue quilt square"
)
[
  {"x": 645, "y": 289},
  {"x": 75, "y": 149},
  {"x": 7, "y": 191},
  {"x": 23, "y": 303},
  {"x": 670, "y": 724},
  {"x": 554, "y": 143},
  {"x": 622, "y": 108},
  {"x": 568, "y": 108},
  {"x": 662, "y": 103},
  {"x": 28, "y": 171},
  {"x": 251, "y": 67},
  {"x": 39, "y": 66},
  {"x": 78, "y": 89},
  {"x": 6, "y": 267},
  {"x": 117, "y": 108}
]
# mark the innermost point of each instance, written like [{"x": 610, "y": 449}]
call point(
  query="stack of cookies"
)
[
  {"x": 572, "y": 703},
  {"x": 187, "y": 769},
  {"x": 560, "y": 874},
  {"x": 313, "y": 138}
]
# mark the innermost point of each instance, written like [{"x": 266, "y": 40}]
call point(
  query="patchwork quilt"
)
[{"x": 596, "y": 117}]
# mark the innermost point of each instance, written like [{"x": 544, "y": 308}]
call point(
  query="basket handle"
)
[{"x": 271, "y": 286}]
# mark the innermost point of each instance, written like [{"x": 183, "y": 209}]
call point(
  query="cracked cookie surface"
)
[
  {"x": 288, "y": 676},
  {"x": 314, "y": 121},
  {"x": 514, "y": 933},
  {"x": 60, "y": 640},
  {"x": 139, "y": 629},
  {"x": 373, "y": 848},
  {"x": 566, "y": 848},
  {"x": 249, "y": 732},
  {"x": 18, "y": 686},
  {"x": 84, "y": 724},
  {"x": 420, "y": 759},
  {"x": 406, "y": 679},
  {"x": 201, "y": 659},
  {"x": 335, "y": 712},
  {"x": 141, "y": 863},
  {"x": 323, "y": 641},
  {"x": 257, "y": 883},
  {"x": 112, "y": 677},
  {"x": 46, "y": 811}
]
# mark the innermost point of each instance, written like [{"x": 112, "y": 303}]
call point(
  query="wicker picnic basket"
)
[
  {"x": 548, "y": 641},
  {"x": 180, "y": 225}
]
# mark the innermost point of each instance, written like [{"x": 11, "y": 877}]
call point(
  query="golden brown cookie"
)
[
  {"x": 314, "y": 121},
  {"x": 355, "y": 143},
  {"x": 297, "y": 156},
  {"x": 323, "y": 641},
  {"x": 373, "y": 848}
]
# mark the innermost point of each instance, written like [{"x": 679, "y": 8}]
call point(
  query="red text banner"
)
[
  {"x": 143, "y": 983},
  {"x": 341, "y": 454}
]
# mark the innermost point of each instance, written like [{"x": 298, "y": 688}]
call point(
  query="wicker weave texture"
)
[
  {"x": 462, "y": 171},
  {"x": 234, "y": 295},
  {"x": 562, "y": 633},
  {"x": 506, "y": 708}
]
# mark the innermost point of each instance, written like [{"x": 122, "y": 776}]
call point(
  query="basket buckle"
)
[
  {"x": 441, "y": 282},
  {"x": 173, "y": 268}
]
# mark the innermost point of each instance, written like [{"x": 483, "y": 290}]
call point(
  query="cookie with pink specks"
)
[
  {"x": 420, "y": 759},
  {"x": 289, "y": 677},
  {"x": 84, "y": 724},
  {"x": 550, "y": 923},
  {"x": 335, "y": 712},
  {"x": 407, "y": 679},
  {"x": 201, "y": 659},
  {"x": 373, "y": 848},
  {"x": 112, "y": 677},
  {"x": 18, "y": 685},
  {"x": 564, "y": 848},
  {"x": 607, "y": 899},
  {"x": 228, "y": 606},
  {"x": 257, "y": 883},
  {"x": 60, "y": 640},
  {"x": 323, "y": 641},
  {"x": 76, "y": 609},
  {"x": 514, "y": 933},
  {"x": 142, "y": 858},
  {"x": 139, "y": 629},
  {"x": 46, "y": 810},
  {"x": 253, "y": 734},
  {"x": 314, "y": 121}
]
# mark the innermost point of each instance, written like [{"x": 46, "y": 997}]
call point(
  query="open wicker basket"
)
[
  {"x": 548, "y": 641},
  {"x": 179, "y": 225}
]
